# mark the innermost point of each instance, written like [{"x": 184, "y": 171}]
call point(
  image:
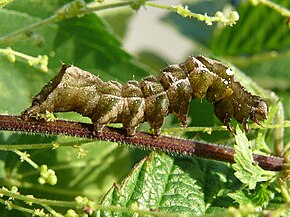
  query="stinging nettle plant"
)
[{"x": 61, "y": 166}]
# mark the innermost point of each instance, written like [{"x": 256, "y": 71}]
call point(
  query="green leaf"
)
[
  {"x": 240, "y": 197},
  {"x": 167, "y": 184},
  {"x": 259, "y": 29},
  {"x": 247, "y": 171},
  {"x": 260, "y": 197},
  {"x": 119, "y": 20},
  {"x": 156, "y": 183}
]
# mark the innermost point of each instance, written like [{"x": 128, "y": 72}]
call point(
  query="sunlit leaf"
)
[{"x": 247, "y": 171}]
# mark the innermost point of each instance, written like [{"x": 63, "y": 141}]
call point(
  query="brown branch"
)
[{"x": 142, "y": 140}]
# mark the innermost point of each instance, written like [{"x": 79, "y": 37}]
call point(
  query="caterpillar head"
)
[{"x": 260, "y": 110}]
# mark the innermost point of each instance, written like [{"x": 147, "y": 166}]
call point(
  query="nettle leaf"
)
[
  {"x": 259, "y": 29},
  {"x": 259, "y": 198},
  {"x": 94, "y": 48},
  {"x": 247, "y": 171},
  {"x": 156, "y": 183},
  {"x": 166, "y": 184}
]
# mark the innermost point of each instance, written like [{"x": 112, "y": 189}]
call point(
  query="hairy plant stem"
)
[{"x": 166, "y": 144}]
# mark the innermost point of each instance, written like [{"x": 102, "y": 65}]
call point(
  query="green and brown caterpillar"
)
[{"x": 153, "y": 98}]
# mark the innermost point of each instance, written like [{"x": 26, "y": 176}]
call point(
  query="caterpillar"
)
[{"x": 152, "y": 99}]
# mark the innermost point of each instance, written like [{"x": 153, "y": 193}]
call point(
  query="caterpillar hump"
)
[{"x": 152, "y": 99}]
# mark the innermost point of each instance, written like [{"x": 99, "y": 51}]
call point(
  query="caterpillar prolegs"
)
[{"x": 151, "y": 99}]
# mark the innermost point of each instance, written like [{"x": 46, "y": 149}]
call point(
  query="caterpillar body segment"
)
[{"x": 152, "y": 99}]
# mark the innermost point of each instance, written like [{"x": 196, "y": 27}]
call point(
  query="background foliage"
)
[{"x": 258, "y": 45}]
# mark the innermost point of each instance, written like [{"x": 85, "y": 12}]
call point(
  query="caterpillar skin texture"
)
[{"x": 152, "y": 99}]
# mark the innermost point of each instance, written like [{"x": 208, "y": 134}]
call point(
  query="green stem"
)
[
  {"x": 52, "y": 211},
  {"x": 25, "y": 157},
  {"x": 279, "y": 132},
  {"x": 280, "y": 9},
  {"x": 104, "y": 7},
  {"x": 60, "y": 15},
  {"x": 284, "y": 190},
  {"x": 286, "y": 150},
  {"x": 28, "y": 199},
  {"x": 155, "y": 5},
  {"x": 9, "y": 147},
  {"x": 73, "y": 204},
  {"x": 9, "y": 51},
  {"x": 242, "y": 61},
  {"x": 41, "y": 61},
  {"x": 13, "y": 206},
  {"x": 185, "y": 12},
  {"x": 286, "y": 124}
]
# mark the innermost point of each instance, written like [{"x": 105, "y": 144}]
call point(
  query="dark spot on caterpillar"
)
[{"x": 151, "y": 99}]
